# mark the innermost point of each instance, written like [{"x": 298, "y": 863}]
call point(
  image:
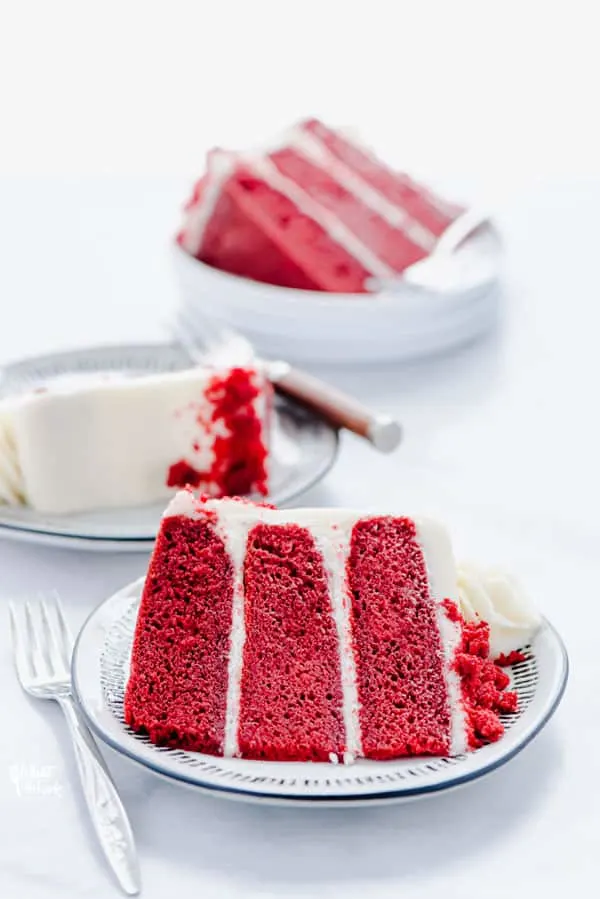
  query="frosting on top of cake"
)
[{"x": 485, "y": 593}]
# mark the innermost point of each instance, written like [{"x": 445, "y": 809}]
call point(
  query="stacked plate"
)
[{"x": 440, "y": 303}]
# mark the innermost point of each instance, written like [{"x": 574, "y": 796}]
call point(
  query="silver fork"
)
[
  {"x": 42, "y": 648},
  {"x": 206, "y": 341}
]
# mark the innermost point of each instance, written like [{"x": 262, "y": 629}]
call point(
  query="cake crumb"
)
[{"x": 513, "y": 658}]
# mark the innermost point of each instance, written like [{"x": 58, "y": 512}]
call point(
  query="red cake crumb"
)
[
  {"x": 177, "y": 690},
  {"x": 399, "y": 656},
  {"x": 240, "y": 458},
  {"x": 239, "y": 463},
  {"x": 483, "y": 681},
  {"x": 513, "y": 658},
  {"x": 291, "y": 691},
  {"x": 181, "y": 474}
]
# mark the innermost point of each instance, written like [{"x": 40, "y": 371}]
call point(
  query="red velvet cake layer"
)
[
  {"x": 399, "y": 658},
  {"x": 177, "y": 691},
  {"x": 291, "y": 693},
  {"x": 388, "y": 243},
  {"x": 243, "y": 236},
  {"x": 297, "y": 253},
  {"x": 398, "y": 188}
]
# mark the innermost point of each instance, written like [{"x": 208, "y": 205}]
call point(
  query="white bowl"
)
[{"x": 443, "y": 302}]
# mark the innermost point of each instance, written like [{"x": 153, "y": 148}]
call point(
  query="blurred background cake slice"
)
[
  {"x": 107, "y": 441},
  {"x": 316, "y": 210}
]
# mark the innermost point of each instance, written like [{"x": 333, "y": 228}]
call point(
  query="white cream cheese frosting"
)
[
  {"x": 105, "y": 442},
  {"x": 496, "y": 597}
]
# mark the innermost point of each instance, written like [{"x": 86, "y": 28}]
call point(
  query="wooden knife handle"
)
[{"x": 343, "y": 411}]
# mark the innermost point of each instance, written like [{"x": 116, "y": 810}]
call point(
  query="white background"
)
[
  {"x": 502, "y": 90},
  {"x": 106, "y": 110}
]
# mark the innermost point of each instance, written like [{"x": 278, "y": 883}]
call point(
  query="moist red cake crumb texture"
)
[
  {"x": 177, "y": 690},
  {"x": 399, "y": 657},
  {"x": 290, "y": 689},
  {"x": 483, "y": 681},
  {"x": 512, "y": 658},
  {"x": 239, "y": 464},
  {"x": 319, "y": 212},
  {"x": 291, "y": 693}
]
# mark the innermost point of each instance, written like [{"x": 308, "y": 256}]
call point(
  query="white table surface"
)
[{"x": 502, "y": 442}]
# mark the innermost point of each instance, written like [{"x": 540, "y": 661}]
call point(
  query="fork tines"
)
[{"x": 42, "y": 641}]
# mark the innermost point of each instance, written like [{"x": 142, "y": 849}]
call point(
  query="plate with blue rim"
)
[{"x": 100, "y": 672}]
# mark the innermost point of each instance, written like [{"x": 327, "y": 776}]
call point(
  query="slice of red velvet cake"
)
[
  {"x": 308, "y": 635},
  {"x": 317, "y": 211},
  {"x": 102, "y": 439}
]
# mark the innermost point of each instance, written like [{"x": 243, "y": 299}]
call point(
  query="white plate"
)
[
  {"x": 447, "y": 302},
  {"x": 304, "y": 448},
  {"x": 100, "y": 673},
  {"x": 85, "y": 544}
]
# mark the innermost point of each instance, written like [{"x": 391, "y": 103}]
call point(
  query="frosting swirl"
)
[
  {"x": 11, "y": 478},
  {"x": 497, "y": 598}
]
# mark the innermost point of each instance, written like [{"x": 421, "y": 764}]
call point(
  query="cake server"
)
[
  {"x": 208, "y": 342},
  {"x": 42, "y": 647},
  {"x": 433, "y": 270}
]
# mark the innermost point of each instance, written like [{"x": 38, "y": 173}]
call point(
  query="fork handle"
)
[
  {"x": 104, "y": 804},
  {"x": 343, "y": 411}
]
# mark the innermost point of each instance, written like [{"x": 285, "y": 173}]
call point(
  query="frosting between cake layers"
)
[
  {"x": 235, "y": 545},
  {"x": 311, "y": 147},
  {"x": 353, "y": 136},
  {"x": 497, "y": 598},
  {"x": 330, "y": 223}
]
